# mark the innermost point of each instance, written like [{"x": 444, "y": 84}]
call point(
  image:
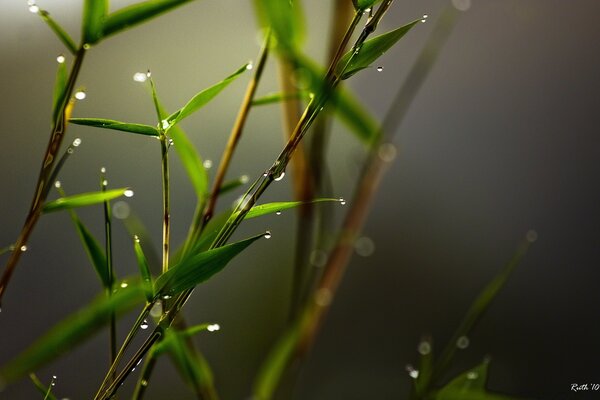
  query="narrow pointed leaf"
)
[
  {"x": 371, "y": 50},
  {"x": 93, "y": 250},
  {"x": 144, "y": 269},
  {"x": 45, "y": 391},
  {"x": 233, "y": 184},
  {"x": 205, "y": 96},
  {"x": 135, "y": 227},
  {"x": 71, "y": 331},
  {"x": 210, "y": 232},
  {"x": 278, "y": 97},
  {"x": 94, "y": 14},
  {"x": 362, "y": 5},
  {"x": 60, "y": 87},
  {"x": 286, "y": 21},
  {"x": 272, "y": 208},
  {"x": 198, "y": 268},
  {"x": 137, "y": 13},
  {"x": 82, "y": 200},
  {"x": 59, "y": 31},
  {"x": 116, "y": 125}
]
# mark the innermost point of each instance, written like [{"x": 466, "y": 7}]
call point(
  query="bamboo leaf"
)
[
  {"x": 116, "y": 125},
  {"x": 272, "y": 208},
  {"x": 83, "y": 199},
  {"x": 59, "y": 31},
  {"x": 286, "y": 21},
  {"x": 137, "y": 13},
  {"x": 60, "y": 87},
  {"x": 71, "y": 331},
  {"x": 233, "y": 184},
  {"x": 362, "y": 5},
  {"x": 93, "y": 250},
  {"x": 203, "y": 97},
  {"x": 94, "y": 14},
  {"x": 144, "y": 269},
  {"x": 198, "y": 268},
  {"x": 44, "y": 391},
  {"x": 278, "y": 97},
  {"x": 371, "y": 50}
]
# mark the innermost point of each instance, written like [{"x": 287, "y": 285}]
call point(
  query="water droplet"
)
[
  {"x": 244, "y": 179},
  {"x": 462, "y": 342},
  {"x": 104, "y": 183},
  {"x": 280, "y": 177},
  {"x": 144, "y": 325},
  {"x": 70, "y": 150},
  {"x": 265, "y": 174},
  {"x": 213, "y": 327},
  {"x": 364, "y": 246},
  {"x": 148, "y": 74},
  {"x": 24, "y": 248},
  {"x": 60, "y": 59},
  {"x": 267, "y": 235},
  {"x": 412, "y": 372},
  {"x": 379, "y": 69},
  {"x": 278, "y": 213},
  {"x": 76, "y": 142},
  {"x": 249, "y": 66},
  {"x": 157, "y": 309},
  {"x": 87, "y": 46},
  {"x": 53, "y": 376},
  {"x": 102, "y": 170},
  {"x": 318, "y": 258},
  {"x": 461, "y": 5},
  {"x": 323, "y": 297},
  {"x": 171, "y": 142},
  {"x": 424, "y": 348},
  {"x": 33, "y": 8},
  {"x": 121, "y": 210},
  {"x": 387, "y": 152},
  {"x": 57, "y": 184},
  {"x": 80, "y": 95},
  {"x": 311, "y": 95},
  {"x": 424, "y": 18},
  {"x": 140, "y": 77},
  {"x": 128, "y": 193},
  {"x": 342, "y": 201},
  {"x": 166, "y": 297},
  {"x": 367, "y": 10},
  {"x": 165, "y": 124},
  {"x": 207, "y": 164},
  {"x": 124, "y": 284},
  {"x": 472, "y": 375},
  {"x": 531, "y": 236},
  {"x": 136, "y": 238},
  {"x": 144, "y": 382}
]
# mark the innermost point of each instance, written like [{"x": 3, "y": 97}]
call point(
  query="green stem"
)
[
  {"x": 109, "y": 268},
  {"x": 166, "y": 199}
]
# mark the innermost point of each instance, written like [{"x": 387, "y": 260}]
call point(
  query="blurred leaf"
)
[
  {"x": 364, "y": 4},
  {"x": 286, "y": 21},
  {"x": 93, "y": 250},
  {"x": 205, "y": 96},
  {"x": 137, "y": 13},
  {"x": 233, "y": 184},
  {"x": 60, "y": 87},
  {"x": 45, "y": 391},
  {"x": 82, "y": 200},
  {"x": 94, "y": 13},
  {"x": 144, "y": 269},
  {"x": 116, "y": 125},
  {"x": 6, "y": 249},
  {"x": 71, "y": 331},
  {"x": 371, "y": 50},
  {"x": 164, "y": 345},
  {"x": 271, "y": 208},
  {"x": 198, "y": 268},
  {"x": 278, "y": 97},
  {"x": 59, "y": 31},
  {"x": 210, "y": 231},
  {"x": 425, "y": 368}
]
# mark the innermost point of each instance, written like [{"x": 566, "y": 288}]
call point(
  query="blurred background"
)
[{"x": 502, "y": 138}]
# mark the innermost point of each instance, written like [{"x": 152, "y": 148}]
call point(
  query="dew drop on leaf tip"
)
[
  {"x": 141, "y": 76},
  {"x": 102, "y": 170},
  {"x": 33, "y": 8},
  {"x": 80, "y": 95},
  {"x": 424, "y": 348},
  {"x": 280, "y": 177},
  {"x": 213, "y": 327},
  {"x": 57, "y": 184},
  {"x": 249, "y": 66},
  {"x": 207, "y": 164},
  {"x": 412, "y": 372},
  {"x": 128, "y": 193},
  {"x": 342, "y": 201},
  {"x": 267, "y": 235},
  {"x": 136, "y": 238},
  {"x": 60, "y": 59},
  {"x": 379, "y": 69},
  {"x": 76, "y": 142},
  {"x": 124, "y": 285}
]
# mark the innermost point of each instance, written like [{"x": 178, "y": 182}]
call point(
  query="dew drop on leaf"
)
[
  {"x": 462, "y": 342},
  {"x": 144, "y": 325}
]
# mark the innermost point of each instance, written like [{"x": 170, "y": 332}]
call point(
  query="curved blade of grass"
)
[
  {"x": 203, "y": 97},
  {"x": 286, "y": 20},
  {"x": 93, "y": 250},
  {"x": 59, "y": 31},
  {"x": 60, "y": 87},
  {"x": 71, "y": 331},
  {"x": 82, "y": 200},
  {"x": 273, "y": 98},
  {"x": 198, "y": 268},
  {"x": 137, "y": 13},
  {"x": 233, "y": 184},
  {"x": 371, "y": 50},
  {"x": 45, "y": 391},
  {"x": 271, "y": 208},
  {"x": 116, "y": 125},
  {"x": 94, "y": 13},
  {"x": 144, "y": 269}
]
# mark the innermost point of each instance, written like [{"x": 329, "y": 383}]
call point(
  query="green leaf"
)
[
  {"x": 233, "y": 184},
  {"x": 116, "y": 125},
  {"x": 278, "y": 97},
  {"x": 371, "y": 50},
  {"x": 198, "y": 268},
  {"x": 45, "y": 391},
  {"x": 93, "y": 250},
  {"x": 421, "y": 384},
  {"x": 59, "y": 31},
  {"x": 82, "y": 200},
  {"x": 286, "y": 21},
  {"x": 271, "y": 208},
  {"x": 6, "y": 249},
  {"x": 362, "y": 5},
  {"x": 71, "y": 331},
  {"x": 94, "y": 13},
  {"x": 60, "y": 87},
  {"x": 164, "y": 345},
  {"x": 137, "y": 13},
  {"x": 202, "y": 98},
  {"x": 144, "y": 269}
]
